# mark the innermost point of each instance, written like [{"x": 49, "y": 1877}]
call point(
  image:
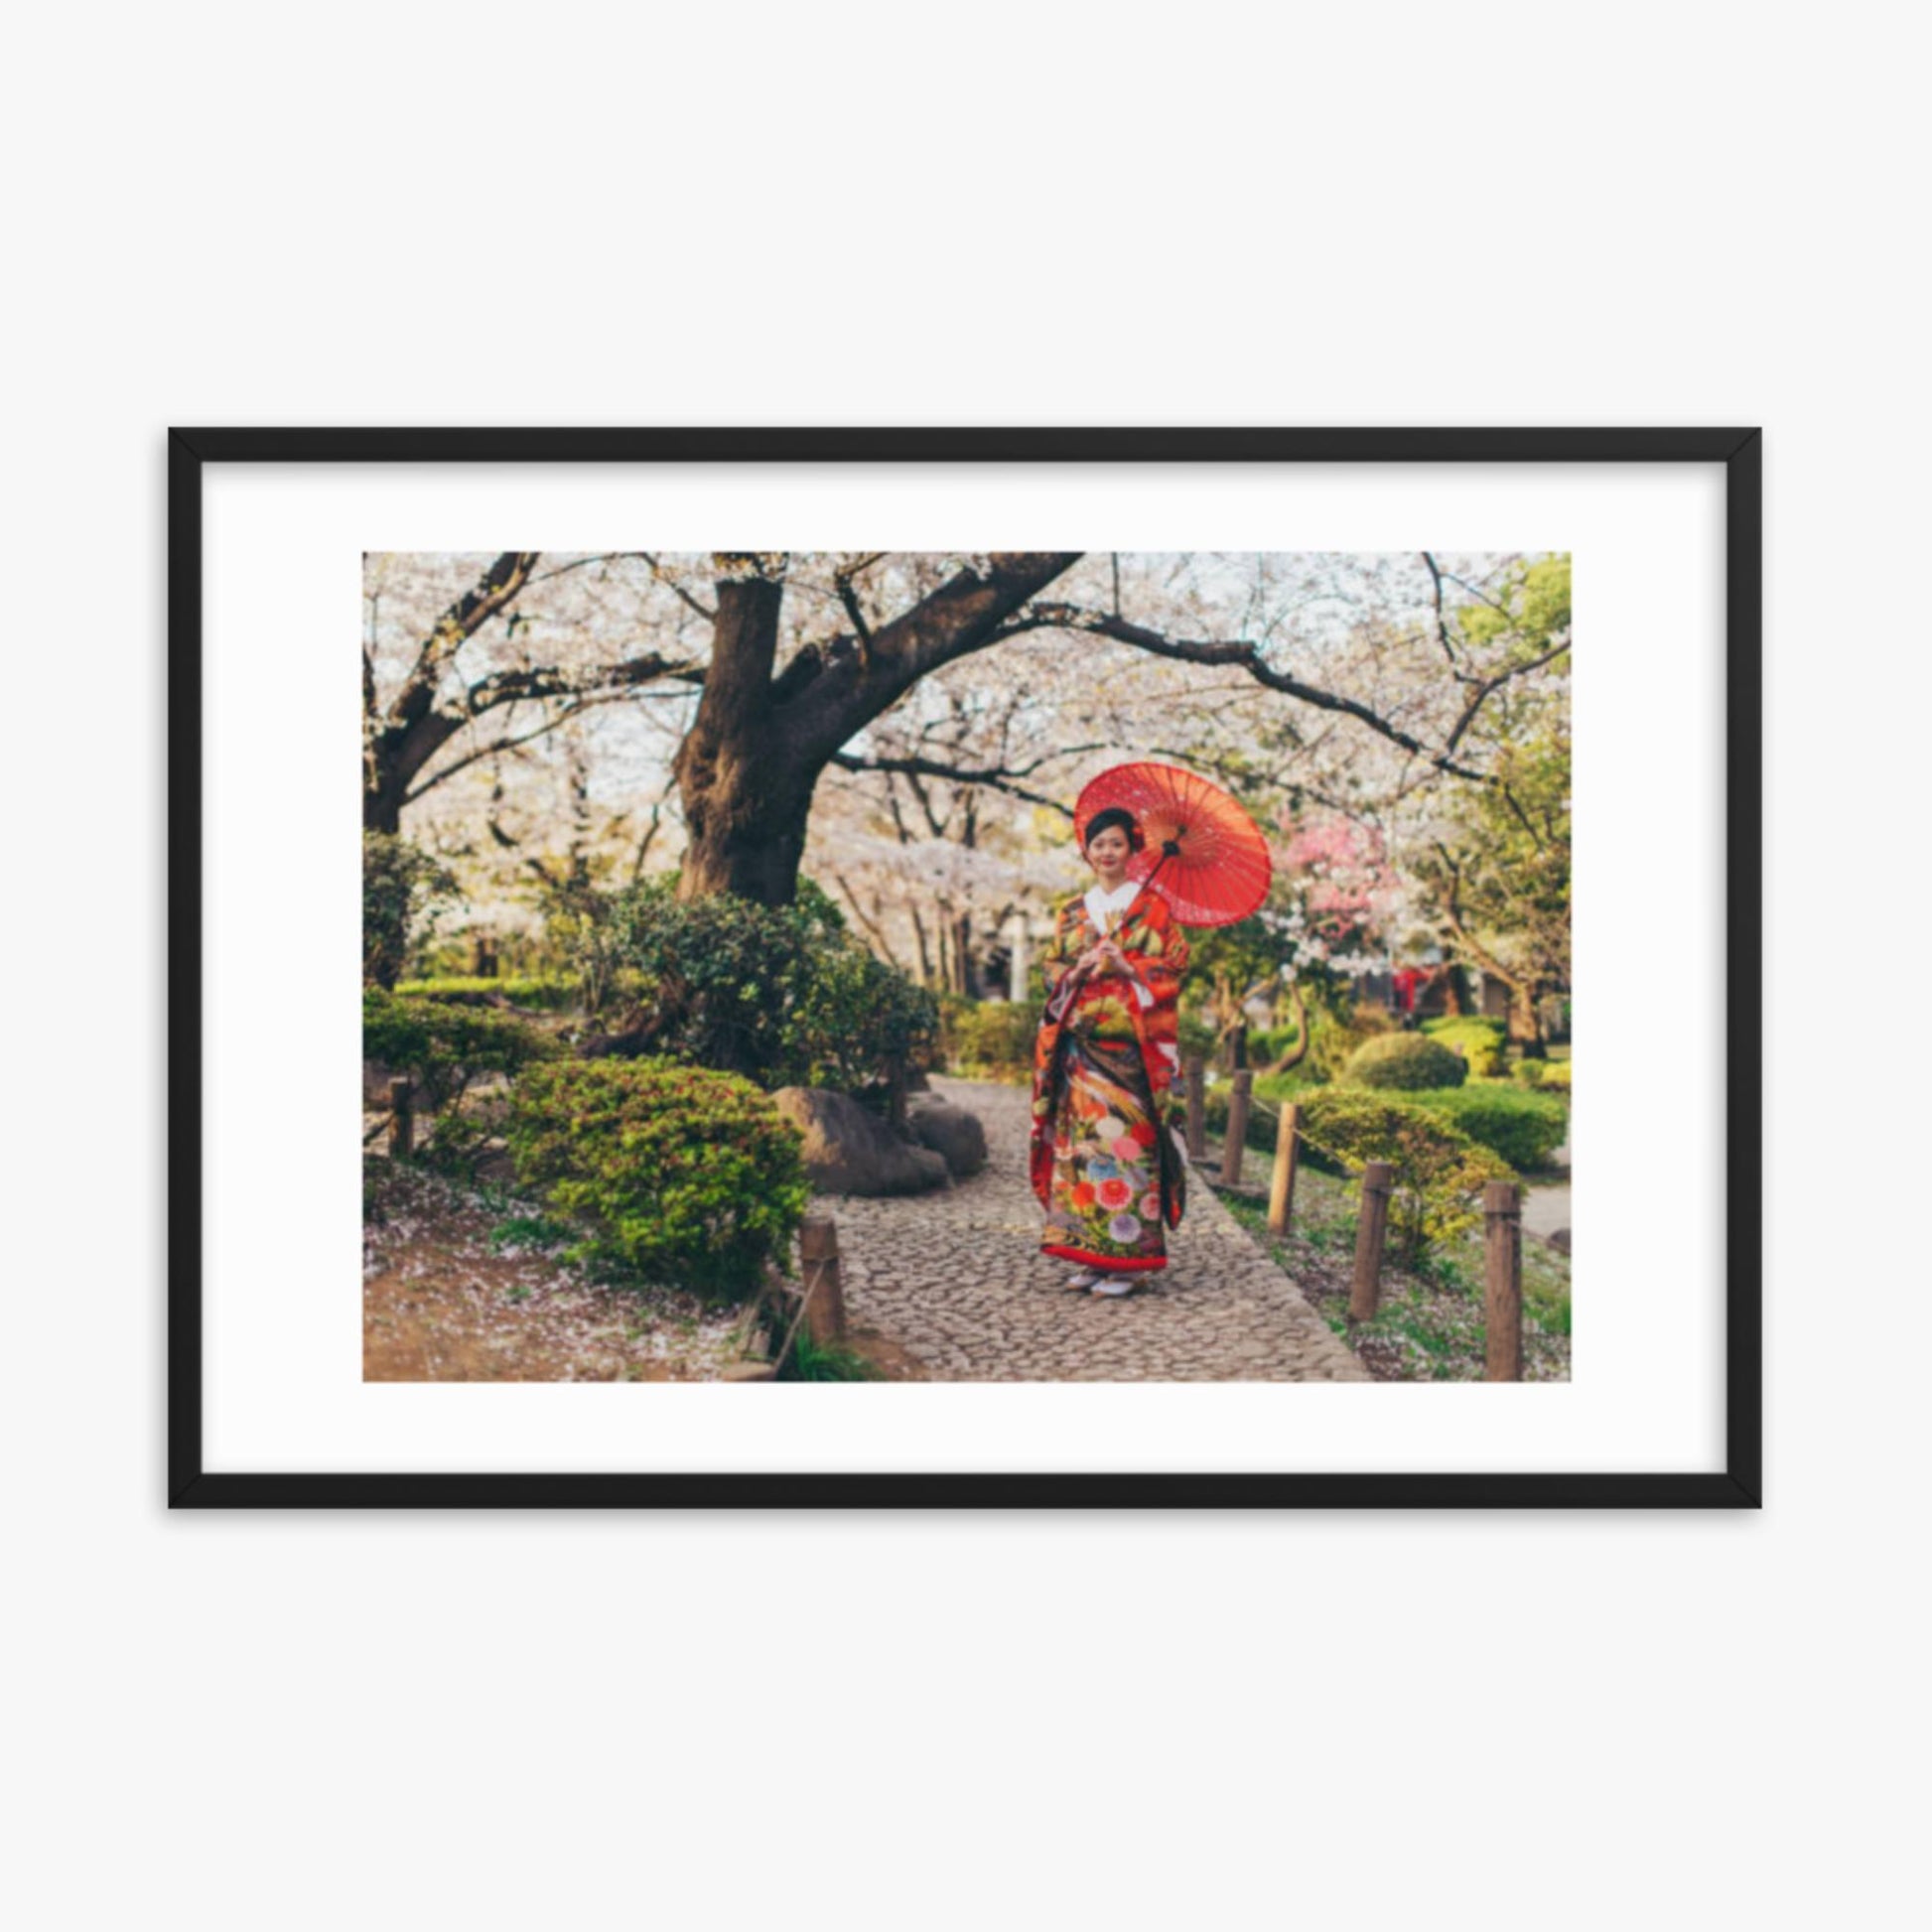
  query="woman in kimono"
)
[{"x": 1105, "y": 1162}]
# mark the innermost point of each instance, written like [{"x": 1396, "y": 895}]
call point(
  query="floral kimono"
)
[{"x": 1106, "y": 1083}]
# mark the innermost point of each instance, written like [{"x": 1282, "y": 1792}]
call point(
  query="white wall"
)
[{"x": 1502, "y": 214}]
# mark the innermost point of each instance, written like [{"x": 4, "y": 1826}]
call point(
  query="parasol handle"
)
[{"x": 1170, "y": 849}]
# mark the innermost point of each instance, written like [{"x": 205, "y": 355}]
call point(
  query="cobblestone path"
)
[{"x": 956, "y": 1277}]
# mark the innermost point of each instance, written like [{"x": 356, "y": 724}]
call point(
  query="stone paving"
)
[{"x": 956, "y": 1277}]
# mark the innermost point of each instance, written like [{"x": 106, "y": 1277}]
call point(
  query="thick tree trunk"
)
[
  {"x": 747, "y": 768},
  {"x": 382, "y": 810},
  {"x": 1526, "y": 1020},
  {"x": 745, "y": 837},
  {"x": 746, "y": 799}
]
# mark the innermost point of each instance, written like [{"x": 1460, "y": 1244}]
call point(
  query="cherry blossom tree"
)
[{"x": 726, "y": 711}]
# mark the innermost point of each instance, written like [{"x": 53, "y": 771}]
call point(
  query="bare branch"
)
[
  {"x": 913, "y": 769},
  {"x": 1442, "y": 618},
  {"x": 1489, "y": 686},
  {"x": 964, "y": 614},
  {"x": 510, "y": 743},
  {"x": 870, "y": 926},
  {"x": 494, "y": 591},
  {"x": 1240, "y": 654},
  {"x": 677, "y": 589}
]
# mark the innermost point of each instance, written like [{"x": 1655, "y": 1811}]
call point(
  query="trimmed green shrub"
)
[
  {"x": 443, "y": 1047},
  {"x": 1479, "y": 1041},
  {"x": 852, "y": 1017},
  {"x": 1402, "y": 1061},
  {"x": 678, "y": 1173},
  {"x": 1335, "y": 1040},
  {"x": 1526, "y": 1129},
  {"x": 1542, "y": 1075},
  {"x": 987, "y": 1036},
  {"x": 547, "y": 992},
  {"x": 1439, "y": 1171},
  {"x": 781, "y": 994}
]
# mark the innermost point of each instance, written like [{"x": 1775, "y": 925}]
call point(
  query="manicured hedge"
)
[
  {"x": 1542, "y": 1075},
  {"x": 1402, "y": 1061},
  {"x": 443, "y": 1046},
  {"x": 1480, "y": 1042},
  {"x": 1439, "y": 1171},
  {"x": 678, "y": 1173},
  {"x": 783, "y": 994},
  {"x": 1526, "y": 1129},
  {"x": 548, "y": 991}
]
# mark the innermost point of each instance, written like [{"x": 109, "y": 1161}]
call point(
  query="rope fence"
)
[
  {"x": 819, "y": 1309},
  {"x": 1502, "y": 1210}
]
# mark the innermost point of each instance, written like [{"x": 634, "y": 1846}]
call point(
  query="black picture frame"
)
[{"x": 190, "y": 1486}]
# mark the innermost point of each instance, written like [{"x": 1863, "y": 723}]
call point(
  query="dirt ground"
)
[{"x": 461, "y": 1286}]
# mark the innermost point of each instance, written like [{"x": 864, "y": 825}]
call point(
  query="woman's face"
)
[{"x": 1108, "y": 852}]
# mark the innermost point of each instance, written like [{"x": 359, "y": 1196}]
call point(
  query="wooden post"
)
[
  {"x": 1196, "y": 1108},
  {"x": 1281, "y": 1190},
  {"x": 818, "y": 1260},
  {"x": 1365, "y": 1292},
  {"x": 1502, "y": 1301},
  {"x": 402, "y": 1117},
  {"x": 1237, "y": 1138}
]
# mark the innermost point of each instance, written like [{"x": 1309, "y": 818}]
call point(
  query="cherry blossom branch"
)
[
  {"x": 1240, "y": 654},
  {"x": 995, "y": 778}
]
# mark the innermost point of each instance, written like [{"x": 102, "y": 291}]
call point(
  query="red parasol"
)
[{"x": 1211, "y": 861}]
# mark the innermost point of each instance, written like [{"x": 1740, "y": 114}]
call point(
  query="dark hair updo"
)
[{"x": 1114, "y": 818}]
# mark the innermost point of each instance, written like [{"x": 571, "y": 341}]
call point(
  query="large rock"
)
[
  {"x": 949, "y": 1131},
  {"x": 849, "y": 1151}
]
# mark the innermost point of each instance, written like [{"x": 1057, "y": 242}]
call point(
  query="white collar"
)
[{"x": 1100, "y": 903}]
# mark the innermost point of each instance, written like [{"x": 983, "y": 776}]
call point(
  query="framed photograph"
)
[{"x": 908, "y": 1014}]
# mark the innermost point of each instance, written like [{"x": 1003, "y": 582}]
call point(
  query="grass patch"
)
[
  {"x": 1428, "y": 1327},
  {"x": 811, "y": 1361},
  {"x": 537, "y": 1231}
]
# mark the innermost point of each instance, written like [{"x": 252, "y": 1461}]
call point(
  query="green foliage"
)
[
  {"x": 1402, "y": 1061},
  {"x": 783, "y": 994},
  {"x": 546, "y": 991},
  {"x": 1498, "y": 873},
  {"x": 1525, "y": 1129},
  {"x": 1439, "y": 1171},
  {"x": 1479, "y": 1041},
  {"x": 828, "y": 1361},
  {"x": 1271, "y": 1090},
  {"x": 1337, "y": 1027},
  {"x": 987, "y": 1038},
  {"x": 853, "y": 1017},
  {"x": 1193, "y": 1035},
  {"x": 1267, "y": 1045},
  {"x": 1542, "y": 1075},
  {"x": 680, "y": 1175},
  {"x": 454, "y": 1145},
  {"x": 404, "y": 893},
  {"x": 819, "y": 906},
  {"x": 443, "y": 1047},
  {"x": 518, "y": 1231}
]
